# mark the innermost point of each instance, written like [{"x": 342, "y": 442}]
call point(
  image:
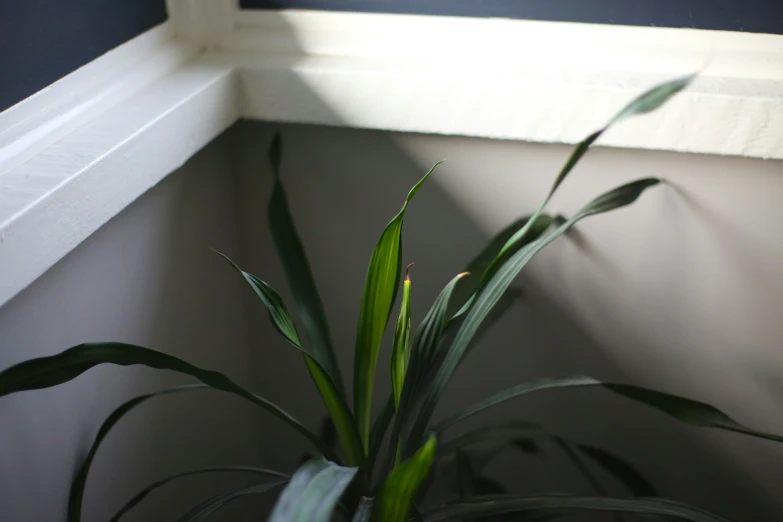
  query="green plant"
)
[{"x": 360, "y": 478}]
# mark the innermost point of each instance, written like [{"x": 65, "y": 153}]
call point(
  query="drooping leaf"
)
[
  {"x": 395, "y": 499},
  {"x": 566, "y": 504},
  {"x": 333, "y": 399},
  {"x": 494, "y": 289},
  {"x": 364, "y": 511},
  {"x": 272, "y": 477},
  {"x": 688, "y": 411},
  {"x": 621, "y": 470},
  {"x": 401, "y": 346},
  {"x": 380, "y": 291},
  {"x": 207, "y": 508},
  {"x": 648, "y": 101},
  {"x": 45, "y": 372},
  {"x": 300, "y": 278},
  {"x": 313, "y": 492},
  {"x": 76, "y": 494}
]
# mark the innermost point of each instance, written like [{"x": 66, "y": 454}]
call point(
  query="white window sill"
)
[{"x": 74, "y": 155}]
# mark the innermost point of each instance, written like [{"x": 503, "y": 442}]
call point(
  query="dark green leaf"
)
[
  {"x": 395, "y": 499},
  {"x": 621, "y": 470},
  {"x": 505, "y": 432},
  {"x": 495, "y": 288},
  {"x": 313, "y": 492},
  {"x": 688, "y": 411},
  {"x": 328, "y": 432},
  {"x": 300, "y": 278},
  {"x": 333, "y": 399},
  {"x": 46, "y": 372},
  {"x": 378, "y": 433},
  {"x": 561, "y": 503},
  {"x": 207, "y": 508},
  {"x": 79, "y": 482},
  {"x": 380, "y": 291},
  {"x": 648, "y": 101},
  {"x": 272, "y": 477}
]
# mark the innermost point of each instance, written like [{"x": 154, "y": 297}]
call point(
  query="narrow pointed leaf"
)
[
  {"x": 494, "y": 289},
  {"x": 45, "y": 372},
  {"x": 567, "y": 504},
  {"x": 648, "y": 101},
  {"x": 270, "y": 475},
  {"x": 293, "y": 257},
  {"x": 688, "y": 411},
  {"x": 207, "y": 508},
  {"x": 364, "y": 511},
  {"x": 621, "y": 470},
  {"x": 313, "y": 492},
  {"x": 395, "y": 499},
  {"x": 333, "y": 399},
  {"x": 76, "y": 494},
  {"x": 380, "y": 291},
  {"x": 401, "y": 347}
]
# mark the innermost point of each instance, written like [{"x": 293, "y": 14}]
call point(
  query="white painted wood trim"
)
[{"x": 77, "y": 153}]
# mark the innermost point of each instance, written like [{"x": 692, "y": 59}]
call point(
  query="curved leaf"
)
[
  {"x": 207, "y": 508},
  {"x": 648, "y": 101},
  {"x": 45, "y": 372},
  {"x": 688, "y": 411},
  {"x": 514, "y": 504},
  {"x": 313, "y": 492},
  {"x": 380, "y": 291},
  {"x": 141, "y": 495},
  {"x": 333, "y": 399},
  {"x": 620, "y": 469},
  {"x": 79, "y": 482},
  {"x": 495, "y": 288},
  {"x": 395, "y": 499},
  {"x": 299, "y": 274}
]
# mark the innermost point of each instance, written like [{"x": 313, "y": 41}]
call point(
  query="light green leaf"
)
[
  {"x": 272, "y": 478},
  {"x": 313, "y": 492},
  {"x": 648, "y": 101},
  {"x": 685, "y": 410},
  {"x": 520, "y": 504},
  {"x": 300, "y": 278},
  {"x": 401, "y": 347},
  {"x": 207, "y": 508},
  {"x": 395, "y": 499},
  {"x": 45, "y": 372},
  {"x": 333, "y": 399},
  {"x": 76, "y": 494},
  {"x": 364, "y": 511},
  {"x": 380, "y": 291},
  {"x": 492, "y": 292}
]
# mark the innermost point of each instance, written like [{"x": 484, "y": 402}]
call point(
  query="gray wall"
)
[
  {"x": 147, "y": 277},
  {"x": 681, "y": 292}
]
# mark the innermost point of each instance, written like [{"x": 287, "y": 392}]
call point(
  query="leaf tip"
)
[{"x": 407, "y": 267}]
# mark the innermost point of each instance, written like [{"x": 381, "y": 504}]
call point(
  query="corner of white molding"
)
[{"x": 203, "y": 21}]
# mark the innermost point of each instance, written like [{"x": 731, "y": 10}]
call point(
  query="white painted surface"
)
[
  {"x": 146, "y": 277},
  {"x": 681, "y": 292},
  {"x": 204, "y": 21}
]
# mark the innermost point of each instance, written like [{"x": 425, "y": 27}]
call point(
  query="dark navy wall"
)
[
  {"x": 760, "y": 16},
  {"x": 43, "y": 40}
]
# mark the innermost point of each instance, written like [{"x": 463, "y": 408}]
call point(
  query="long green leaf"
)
[
  {"x": 333, "y": 399},
  {"x": 561, "y": 503},
  {"x": 401, "y": 347},
  {"x": 364, "y": 511},
  {"x": 207, "y": 508},
  {"x": 380, "y": 291},
  {"x": 494, "y": 289},
  {"x": 313, "y": 492},
  {"x": 395, "y": 499},
  {"x": 141, "y": 495},
  {"x": 76, "y": 494},
  {"x": 45, "y": 372},
  {"x": 648, "y": 101},
  {"x": 688, "y": 411},
  {"x": 299, "y": 274}
]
